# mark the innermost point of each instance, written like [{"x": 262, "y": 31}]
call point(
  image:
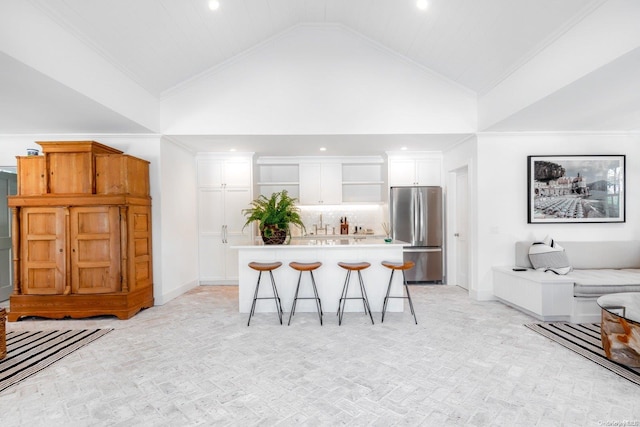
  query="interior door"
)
[
  {"x": 7, "y": 187},
  {"x": 462, "y": 246}
]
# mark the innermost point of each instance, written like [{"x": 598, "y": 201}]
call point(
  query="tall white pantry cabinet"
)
[{"x": 224, "y": 190}]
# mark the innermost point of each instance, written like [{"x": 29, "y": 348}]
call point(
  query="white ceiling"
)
[
  {"x": 310, "y": 145},
  {"x": 160, "y": 44},
  {"x": 604, "y": 100},
  {"x": 34, "y": 103}
]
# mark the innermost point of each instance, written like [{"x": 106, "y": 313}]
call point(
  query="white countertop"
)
[{"x": 325, "y": 243}]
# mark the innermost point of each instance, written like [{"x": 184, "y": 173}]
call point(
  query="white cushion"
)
[
  {"x": 590, "y": 255},
  {"x": 596, "y": 282}
]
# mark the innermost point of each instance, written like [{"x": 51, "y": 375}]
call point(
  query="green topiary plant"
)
[{"x": 274, "y": 216}]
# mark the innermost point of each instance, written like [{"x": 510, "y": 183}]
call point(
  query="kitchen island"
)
[{"x": 329, "y": 277}]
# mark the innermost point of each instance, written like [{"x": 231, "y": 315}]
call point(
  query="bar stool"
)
[
  {"x": 302, "y": 267},
  {"x": 398, "y": 266},
  {"x": 357, "y": 267},
  {"x": 266, "y": 266}
]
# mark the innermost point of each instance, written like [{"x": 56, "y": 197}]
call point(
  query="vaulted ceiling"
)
[{"x": 161, "y": 44}]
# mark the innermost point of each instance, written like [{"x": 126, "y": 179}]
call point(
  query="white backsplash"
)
[{"x": 365, "y": 216}]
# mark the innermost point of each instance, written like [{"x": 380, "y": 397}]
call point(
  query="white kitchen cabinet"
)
[
  {"x": 220, "y": 172},
  {"x": 320, "y": 183},
  {"x": 415, "y": 171},
  {"x": 224, "y": 191},
  {"x": 273, "y": 178},
  {"x": 324, "y": 180},
  {"x": 363, "y": 183}
]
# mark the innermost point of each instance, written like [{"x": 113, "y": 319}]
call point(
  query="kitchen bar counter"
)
[{"x": 329, "y": 278}]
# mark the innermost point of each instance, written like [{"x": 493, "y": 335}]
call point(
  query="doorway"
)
[
  {"x": 461, "y": 225},
  {"x": 8, "y": 187}
]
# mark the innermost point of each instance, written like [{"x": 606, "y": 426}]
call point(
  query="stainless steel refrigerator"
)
[{"x": 416, "y": 218}]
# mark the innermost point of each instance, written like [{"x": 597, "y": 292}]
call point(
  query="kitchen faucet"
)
[{"x": 321, "y": 226}]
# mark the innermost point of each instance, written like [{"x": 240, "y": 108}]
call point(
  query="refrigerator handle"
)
[
  {"x": 416, "y": 219},
  {"x": 421, "y": 218}
]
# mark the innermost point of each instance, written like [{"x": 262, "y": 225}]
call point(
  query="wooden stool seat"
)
[
  {"x": 265, "y": 266},
  {"x": 261, "y": 267},
  {"x": 357, "y": 267},
  {"x": 354, "y": 266},
  {"x": 304, "y": 266},
  {"x": 407, "y": 265},
  {"x": 398, "y": 266}
]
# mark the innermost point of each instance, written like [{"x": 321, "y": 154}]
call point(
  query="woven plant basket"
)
[
  {"x": 277, "y": 238},
  {"x": 3, "y": 334}
]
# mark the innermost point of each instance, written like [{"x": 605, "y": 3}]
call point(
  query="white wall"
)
[
  {"x": 179, "y": 235},
  {"x": 318, "y": 79},
  {"x": 502, "y": 195}
]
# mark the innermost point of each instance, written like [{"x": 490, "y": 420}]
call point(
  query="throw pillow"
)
[{"x": 547, "y": 255}]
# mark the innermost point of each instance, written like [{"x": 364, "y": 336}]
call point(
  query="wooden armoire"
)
[{"x": 81, "y": 230}]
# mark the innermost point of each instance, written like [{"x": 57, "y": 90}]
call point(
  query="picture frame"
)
[{"x": 576, "y": 189}]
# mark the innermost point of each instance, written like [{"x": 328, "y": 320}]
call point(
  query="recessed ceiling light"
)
[
  {"x": 422, "y": 4},
  {"x": 323, "y": 148},
  {"x": 214, "y": 4},
  {"x": 232, "y": 149},
  {"x": 403, "y": 148}
]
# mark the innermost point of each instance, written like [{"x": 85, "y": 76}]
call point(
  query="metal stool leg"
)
[
  {"x": 344, "y": 291},
  {"x": 406, "y": 286},
  {"x": 386, "y": 298},
  {"x": 315, "y": 292},
  {"x": 343, "y": 299},
  {"x": 364, "y": 301},
  {"x": 365, "y": 298},
  {"x": 276, "y": 297},
  {"x": 295, "y": 299},
  {"x": 255, "y": 297}
]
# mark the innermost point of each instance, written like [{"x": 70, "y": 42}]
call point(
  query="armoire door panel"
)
[
  {"x": 31, "y": 175},
  {"x": 142, "y": 271},
  {"x": 71, "y": 173},
  {"x": 43, "y": 251},
  {"x": 95, "y": 249},
  {"x": 141, "y": 250}
]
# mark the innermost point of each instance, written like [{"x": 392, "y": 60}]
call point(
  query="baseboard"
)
[
  {"x": 534, "y": 315},
  {"x": 218, "y": 282},
  {"x": 165, "y": 298},
  {"x": 481, "y": 295}
]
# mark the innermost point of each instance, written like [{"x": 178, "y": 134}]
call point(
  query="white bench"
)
[{"x": 599, "y": 268}]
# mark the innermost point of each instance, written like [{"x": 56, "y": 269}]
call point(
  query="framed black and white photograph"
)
[{"x": 576, "y": 189}]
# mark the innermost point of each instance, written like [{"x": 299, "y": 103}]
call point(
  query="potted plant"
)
[{"x": 274, "y": 215}]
